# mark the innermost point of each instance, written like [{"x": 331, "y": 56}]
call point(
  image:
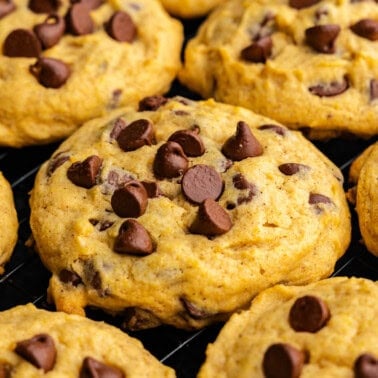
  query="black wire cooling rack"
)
[{"x": 26, "y": 280}]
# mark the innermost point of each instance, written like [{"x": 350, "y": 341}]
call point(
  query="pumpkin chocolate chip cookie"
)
[
  {"x": 64, "y": 63},
  {"x": 308, "y": 64},
  {"x": 182, "y": 211},
  {"x": 324, "y": 329}
]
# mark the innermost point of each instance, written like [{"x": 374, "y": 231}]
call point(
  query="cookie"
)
[
  {"x": 364, "y": 195},
  {"x": 35, "y": 342},
  {"x": 181, "y": 212},
  {"x": 309, "y": 64},
  {"x": 324, "y": 329},
  {"x": 190, "y": 8},
  {"x": 8, "y": 222},
  {"x": 62, "y": 64}
]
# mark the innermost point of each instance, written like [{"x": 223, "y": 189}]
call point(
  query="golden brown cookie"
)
[{"x": 190, "y": 8}]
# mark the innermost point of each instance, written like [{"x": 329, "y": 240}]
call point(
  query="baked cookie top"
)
[
  {"x": 62, "y": 64},
  {"x": 8, "y": 222},
  {"x": 325, "y": 329},
  {"x": 36, "y": 342},
  {"x": 364, "y": 172},
  {"x": 309, "y": 64},
  {"x": 182, "y": 212},
  {"x": 190, "y": 8}
]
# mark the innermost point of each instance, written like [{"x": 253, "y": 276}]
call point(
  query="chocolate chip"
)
[
  {"x": 51, "y": 73},
  {"x": 290, "y": 169},
  {"x": 333, "y": 88},
  {"x": 78, "y": 19},
  {"x": 309, "y": 314},
  {"x": 85, "y": 173},
  {"x": 283, "y": 361},
  {"x": 6, "y": 7},
  {"x": 67, "y": 276},
  {"x": 242, "y": 145},
  {"x": 115, "y": 99},
  {"x": 373, "y": 89},
  {"x": 137, "y": 134},
  {"x": 130, "y": 200},
  {"x": 299, "y": 4},
  {"x": 119, "y": 125},
  {"x": 322, "y": 37},
  {"x": 194, "y": 311},
  {"x": 50, "y": 31},
  {"x": 136, "y": 319},
  {"x": 277, "y": 129},
  {"x": 366, "y": 28},
  {"x": 91, "y": 4},
  {"x": 211, "y": 219},
  {"x": 316, "y": 198},
  {"x": 133, "y": 239},
  {"x": 241, "y": 183},
  {"x": 152, "y": 103},
  {"x": 5, "y": 370},
  {"x": 190, "y": 142},
  {"x": 152, "y": 189},
  {"x": 92, "y": 368},
  {"x": 44, "y": 6},
  {"x": 22, "y": 43},
  {"x": 121, "y": 27},
  {"x": 259, "y": 51},
  {"x": 201, "y": 182},
  {"x": 39, "y": 351},
  {"x": 55, "y": 162},
  {"x": 103, "y": 225},
  {"x": 170, "y": 161},
  {"x": 366, "y": 366}
]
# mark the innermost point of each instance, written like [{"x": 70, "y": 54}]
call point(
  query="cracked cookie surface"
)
[{"x": 181, "y": 212}]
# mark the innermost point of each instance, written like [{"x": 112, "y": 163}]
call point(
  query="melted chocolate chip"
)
[
  {"x": 170, "y": 161},
  {"x": 44, "y": 6},
  {"x": 309, "y": 314},
  {"x": 190, "y": 142},
  {"x": 211, "y": 219},
  {"x": 152, "y": 103},
  {"x": 300, "y": 4},
  {"x": 92, "y": 368},
  {"x": 283, "y": 361},
  {"x": 121, "y": 27},
  {"x": 102, "y": 226},
  {"x": 91, "y": 4},
  {"x": 5, "y": 370},
  {"x": 39, "y": 351},
  {"x": 130, "y": 200},
  {"x": 201, "y": 182},
  {"x": 333, "y": 88},
  {"x": 137, "y": 134},
  {"x": 152, "y": 189},
  {"x": 277, "y": 129},
  {"x": 194, "y": 311},
  {"x": 67, "y": 276},
  {"x": 366, "y": 28},
  {"x": 290, "y": 169},
  {"x": 50, "y": 31},
  {"x": 259, "y": 51},
  {"x": 242, "y": 145},
  {"x": 241, "y": 183},
  {"x": 51, "y": 73},
  {"x": 55, "y": 162},
  {"x": 85, "y": 173},
  {"x": 316, "y": 198},
  {"x": 366, "y": 366},
  {"x": 373, "y": 89},
  {"x": 119, "y": 125},
  {"x": 78, "y": 19},
  {"x": 322, "y": 37},
  {"x": 133, "y": 239},
  {"x": 6, "y": 7},
  {"x": 22, "y": 43}
]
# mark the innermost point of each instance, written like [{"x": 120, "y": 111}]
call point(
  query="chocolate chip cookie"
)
[
  {"x": 190, "y": 8},
  {"x": 309, "y": 64},
  {"x": 324, "y": 329},
  {"x": 36, "y": 342},
  {"x": 63, "y": 63},
  {"x": 8, "y": 222},
  {"x": 181, "y": 212},
  {"x": 364, "y": 195}
]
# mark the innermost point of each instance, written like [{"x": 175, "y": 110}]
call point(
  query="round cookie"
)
[
  {"x": 324, "y": 329},
  {"x": 190, "y": 8},
  {"x": 94, "y": 56},
  {"x": 180, "y": 213},
  {"x": 364, "y": 172},
  {"x": 8, "y": 222},
  {"x": 311, "y": 65},
  {"x": 35, "y": 342}
]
